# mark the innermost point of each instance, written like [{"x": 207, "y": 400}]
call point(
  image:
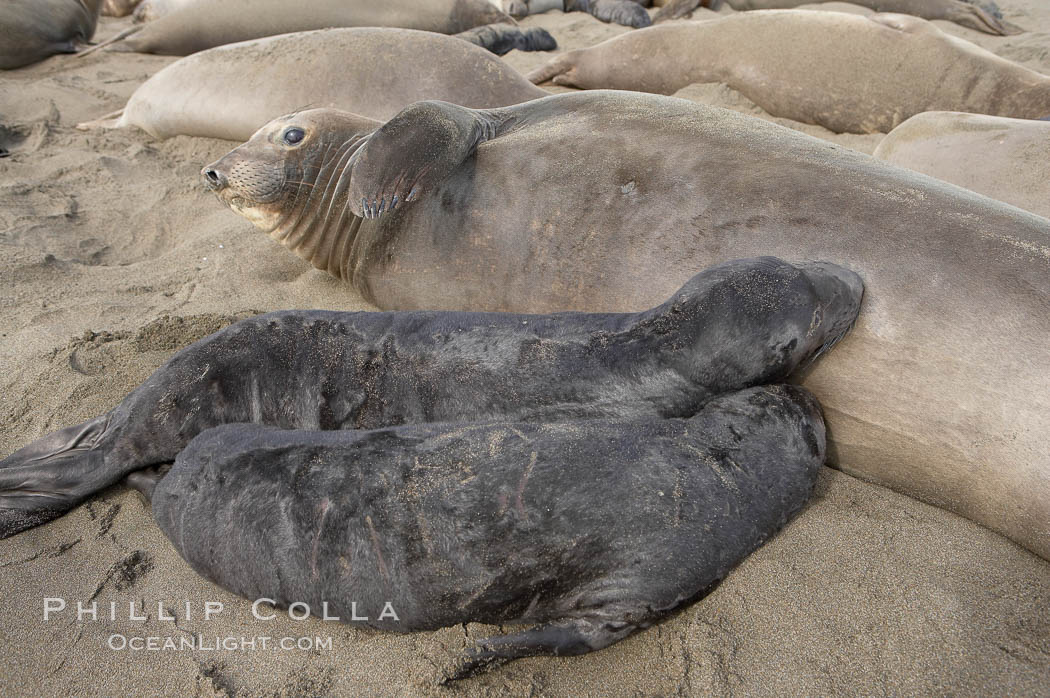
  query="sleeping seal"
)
[
  {"x": 593, "y": 529},
  {"x": 739, "y": 324},
  {"x": 841, "y": 71},
  {"x": 1006, "y": 159},
  {"x": 943, "y": 392},
  {"x": 381, "y": 71},
  {"x": 982, "y": 15},
  {"x": 32, "y": 30},
  {"x": 202, "y": 26}
]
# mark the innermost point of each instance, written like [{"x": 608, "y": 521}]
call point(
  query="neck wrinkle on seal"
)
[{"x": 318, "y": 225}]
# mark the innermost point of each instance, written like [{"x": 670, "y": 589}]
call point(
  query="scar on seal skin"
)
[
  {"x": 741, "y": 323},
  {"x": 592, "y": 530}
]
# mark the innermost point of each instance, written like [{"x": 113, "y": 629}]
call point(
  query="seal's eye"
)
[{"x": 293, "y": 136}]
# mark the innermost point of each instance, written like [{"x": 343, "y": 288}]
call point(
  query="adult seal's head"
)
[{"x": 291, "y": 180}]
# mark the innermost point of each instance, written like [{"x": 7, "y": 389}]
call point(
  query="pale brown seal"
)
[
  {"x": 982, "y": 15},
  {"x": 845, "y": 72},
  {"x": 201, "y": 26},
  {"x": 381, "y": 71},
  {"x": 1006, "y": 159},
  {"x": 943, "y": 391}
]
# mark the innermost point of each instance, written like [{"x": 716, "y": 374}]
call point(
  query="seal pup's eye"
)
[{"x": 293, "y": 136}]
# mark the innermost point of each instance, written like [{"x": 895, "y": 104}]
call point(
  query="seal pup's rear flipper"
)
[
  {"x": 50, "y": 476},
  {"x": 414, "y": 151},
  {"x": 503, "y": 38}
]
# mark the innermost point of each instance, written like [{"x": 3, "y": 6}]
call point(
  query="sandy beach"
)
[{"x": 114, "y": 256}]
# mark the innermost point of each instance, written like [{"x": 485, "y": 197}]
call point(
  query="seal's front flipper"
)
[
  {"x": 625, "y": 12},
  {"x": 413, "y": 152},
  {"x": 53, "y": 474},
  {"x": 561, "y": 639},
  {"x": 145, "y": 481},
  {"x": 503, "y": 38}
]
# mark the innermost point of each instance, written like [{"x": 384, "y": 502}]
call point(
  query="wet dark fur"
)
[
  {"x": 739, "y": 324},
  {"x": 593, "y": 529}
]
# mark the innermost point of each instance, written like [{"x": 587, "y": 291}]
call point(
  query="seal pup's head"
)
[
  {"x": 291, "y": 180},
  {"x": 751, "y": 321}
]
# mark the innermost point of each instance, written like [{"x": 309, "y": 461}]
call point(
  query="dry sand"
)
[{"x": 113, "y": 256}]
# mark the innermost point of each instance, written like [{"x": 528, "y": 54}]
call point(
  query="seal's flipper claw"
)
[
  {"x": 414, "y": 152},
  {"x": 561, "y": 639}
]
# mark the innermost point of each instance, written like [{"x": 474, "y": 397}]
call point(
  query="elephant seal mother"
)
[
  {"x": 739, "y": 324},
  {"x": 841, "y": 71},
  {"x": 1006, "y": 159},
  {"x": 205, "y": 25},
  {"x": 32, "y": 30},
  {"x": 943, "y": 391},
  {"x": 593, "y": 529}
]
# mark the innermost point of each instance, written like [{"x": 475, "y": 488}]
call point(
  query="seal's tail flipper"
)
[
  {"x": 109, "y": 42},
  {"x": 984, "y": 19},
  {"x": 414, "y": 151},
  {"x": 502, "y": 38},
  {"x": 676, "y": 9},
  {"x": 53, "y": 474},
  {"x": 557, "y": 67},
  {"x": 562, "y": 638},
  {"x": 110, "y": 120}
]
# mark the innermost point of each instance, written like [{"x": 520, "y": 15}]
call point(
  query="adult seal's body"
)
[
  {"x": 201, "y": 26},
  {"x": 32, "y": 30},
  {"x": 594, "y": 529},
  {"x": 739, "y": 324},
  {"x": 230, "y": 91},
  {"x": 841, "y": 71},
  {"x": 942, "y": 392},
  {"x": 982, "y": 15},
  {"x": 1006, "y": 159}
]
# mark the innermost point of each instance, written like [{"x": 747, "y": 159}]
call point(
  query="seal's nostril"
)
[{"x": 213, "y": 178}]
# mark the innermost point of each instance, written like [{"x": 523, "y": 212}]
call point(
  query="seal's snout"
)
[{"x": 213, "y": 178}]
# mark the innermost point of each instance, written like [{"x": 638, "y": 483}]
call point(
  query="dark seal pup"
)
[
  {"x": 949, "y": 366},
  {"x": 742, "y": 323},
  {"x": 592, "y": 529}
]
